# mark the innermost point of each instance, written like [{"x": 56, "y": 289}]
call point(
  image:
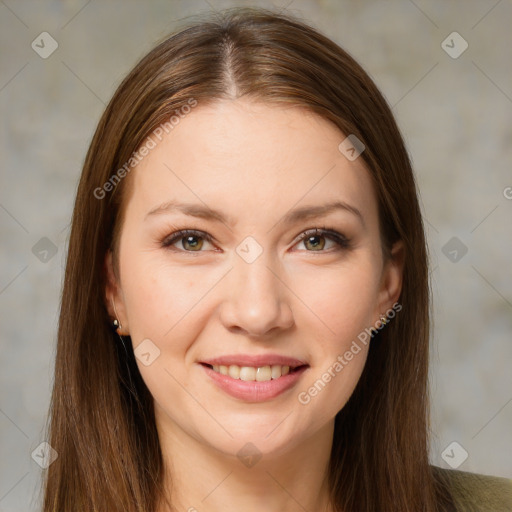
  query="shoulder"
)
[{"x": 473, "y": 492}]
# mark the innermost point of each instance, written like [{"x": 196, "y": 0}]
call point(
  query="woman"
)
[{"x": 245, "y": 312}]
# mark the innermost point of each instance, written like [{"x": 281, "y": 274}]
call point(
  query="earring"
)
[
  {"x": 117, "y": 326},
  {"x": 383, "y": 319},
  {"x": 116, "y": 323}
]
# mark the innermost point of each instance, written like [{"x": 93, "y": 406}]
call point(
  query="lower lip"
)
[{"x": 254, "y": 391}]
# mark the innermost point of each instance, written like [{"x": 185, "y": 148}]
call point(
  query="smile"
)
[
  {"x": 254, "y": 384},
  {"x": 251, "y": 373}
]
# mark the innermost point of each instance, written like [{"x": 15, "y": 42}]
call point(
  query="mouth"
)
[
  {"x": 254, "y": 377},
  {"x": 255, "y": 373}
]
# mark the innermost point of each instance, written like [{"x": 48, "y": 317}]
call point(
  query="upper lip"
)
[{"x": 254, "y": 360}]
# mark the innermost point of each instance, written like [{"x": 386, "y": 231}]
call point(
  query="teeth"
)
[
  {"x": 263, "y": 373},
  {"x": 276, "y": 372},
  {"x": 250, "y": 373},
  {"x": 234, "y": 371}
]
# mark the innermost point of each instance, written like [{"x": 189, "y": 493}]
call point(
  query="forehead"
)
[{"x": 244, "y": 157}]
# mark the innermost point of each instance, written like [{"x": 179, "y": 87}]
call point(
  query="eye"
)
[
  {"x": 192, "y": 240},
  {"x": 189, "y": 238},
  {"x": 313, "y": 239}
]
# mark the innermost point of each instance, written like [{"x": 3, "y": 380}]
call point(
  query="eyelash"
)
[{"x": 340, "y": 240}]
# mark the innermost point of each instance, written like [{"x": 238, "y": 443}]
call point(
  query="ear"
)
[
  {"x": 114, "y": 299},
  {"x": 392, "y": 278}
]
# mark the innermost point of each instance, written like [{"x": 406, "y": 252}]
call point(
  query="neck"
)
[{"x": 200, "y": 478}]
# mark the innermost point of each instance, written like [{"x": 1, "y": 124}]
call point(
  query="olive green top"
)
[{"x": 473, "y": 492}]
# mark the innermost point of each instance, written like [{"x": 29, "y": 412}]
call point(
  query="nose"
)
[{"x": 257, "y": 301}]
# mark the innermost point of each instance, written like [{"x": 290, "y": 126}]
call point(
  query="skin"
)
[{"x": 254, "y": 162}]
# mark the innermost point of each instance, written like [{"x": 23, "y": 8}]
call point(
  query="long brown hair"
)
[{"x": 101, "y": 420}]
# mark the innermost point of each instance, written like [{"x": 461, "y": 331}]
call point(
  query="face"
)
[{"x": 239, "y": 282}]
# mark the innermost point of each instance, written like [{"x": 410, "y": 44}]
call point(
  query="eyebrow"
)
[{"x": 293, "y": 216}]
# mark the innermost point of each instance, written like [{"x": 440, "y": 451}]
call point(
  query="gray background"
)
[{"x": 455, "y": 114}]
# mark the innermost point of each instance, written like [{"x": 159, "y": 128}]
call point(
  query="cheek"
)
[
  {"x": 164, "y": 304},
  {"x": 342, "y": 302},
  {"x": 341, "y": 298},
  {"x": 156, "y": 297},
  {"x": 168, "y": 301}
]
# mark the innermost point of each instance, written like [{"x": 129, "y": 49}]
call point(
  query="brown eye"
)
[
  {"x": 315, "y": 242},
  {"x": 190, "y": 240},
  {"x": 314, "y": 239}
]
